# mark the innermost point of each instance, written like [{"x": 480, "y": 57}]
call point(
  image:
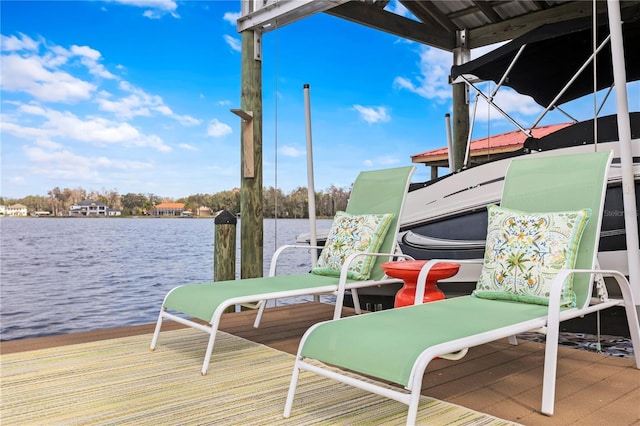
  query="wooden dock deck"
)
[{"x": 497, "y": 378}]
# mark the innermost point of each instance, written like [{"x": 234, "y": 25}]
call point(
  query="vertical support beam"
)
[
  {"x": 626, "y": 154},
  {"x": 251, "y": 221},
  {"x": 434, "y": 172},
  {"x": 460, "y": 92}
]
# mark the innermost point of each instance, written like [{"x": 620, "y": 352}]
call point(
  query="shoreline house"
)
[
  {"x": 16, "y": 210},
  {"x": 168, "y": 209},
  {"x": 204, "y": 211},
  {"x": 88, "y": 208}
]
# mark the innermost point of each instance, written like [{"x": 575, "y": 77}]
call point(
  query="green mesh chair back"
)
[
  {"x": 563, "y": 183},
  {"x": 380, "y": 192}
]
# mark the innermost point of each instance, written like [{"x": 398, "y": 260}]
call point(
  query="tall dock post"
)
[
  {"x": 251, "y": 222},
  {"x": 224, "y": 248}
]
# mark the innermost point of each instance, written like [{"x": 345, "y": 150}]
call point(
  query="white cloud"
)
[
  {"x": 30, "y": 75},
  {"x": 139, "y": 103},
  {"x": 155, "y": 9},
  {"x": 85, "y": 51},
  {"x": 509, "y": 101},
  {"x": 89, "y": 58},
  {"x": 373, "y": 114},
  {"x": 66, "y": 164},
  {"x": 13, "y": 43},
  {"x": 217, "y": 129},
  {"x": 94, "y": 130},
  {"x": 49, "y": 144},
  {"x": 479, "y": 51},
  {"x": 188, "y": 147},
  {"x": 231, "y": 17},
  {"x": 234, "y": 43},
  {"x": 291, "y": 151},
  {"x": 433, "y": 81},
  {"x": 41, "y": 74}
]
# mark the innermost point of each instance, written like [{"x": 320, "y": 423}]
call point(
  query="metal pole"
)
[
  {"x": 626, "y": 154},
  {"x": 447, "y": 120},
  {"x": 313, "y": 240}
]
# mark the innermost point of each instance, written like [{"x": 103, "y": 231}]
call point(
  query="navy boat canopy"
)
[{"x": 552, "y": 56}]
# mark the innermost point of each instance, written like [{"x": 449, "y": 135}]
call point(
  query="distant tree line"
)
[{"x": 275, "y": 202}]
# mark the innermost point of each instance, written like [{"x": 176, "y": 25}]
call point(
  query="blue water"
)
[{"x": 78, "y": 274}]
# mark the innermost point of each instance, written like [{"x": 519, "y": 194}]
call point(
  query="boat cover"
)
[{"x": 553, "y": 54}]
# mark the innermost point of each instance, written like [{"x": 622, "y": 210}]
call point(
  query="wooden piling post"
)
[
  {"x": 251, "y": 221},
  {"x": 224, "y": 248}
]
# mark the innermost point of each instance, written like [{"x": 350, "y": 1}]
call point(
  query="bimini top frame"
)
[{"x": 560, "y": 55}]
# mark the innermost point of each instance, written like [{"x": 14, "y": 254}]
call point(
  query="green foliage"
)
[{"x": 275, "y": 202}]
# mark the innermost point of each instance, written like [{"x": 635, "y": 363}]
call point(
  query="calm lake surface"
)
[{"x": 78, "y": 274}]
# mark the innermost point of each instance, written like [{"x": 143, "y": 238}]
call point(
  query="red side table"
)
[{"x": 408, "y": 272}]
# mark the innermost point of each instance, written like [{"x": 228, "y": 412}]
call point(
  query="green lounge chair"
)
[
  {"x": 396, "y": 345},
  {"x": 380, "y": 192}
]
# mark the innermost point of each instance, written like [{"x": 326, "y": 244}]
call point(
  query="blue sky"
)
[{"x": 134, "y": 96}]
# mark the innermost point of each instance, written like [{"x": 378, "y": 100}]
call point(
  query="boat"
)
[{"x": 446, "y": 218}]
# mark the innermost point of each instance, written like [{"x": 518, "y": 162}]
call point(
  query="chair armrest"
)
[
  {"x": 421, "y": 284},
  {"x": 353, "y": 256},
  {"x": 558, "y": 281},
  {"x": 278, "y": 252},
  {"x": 342, "y": 283}
]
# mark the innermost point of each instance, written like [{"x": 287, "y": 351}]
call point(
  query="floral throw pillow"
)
[
  {"x": 349, "y": 234},
  {"x": 525, "y": 251}
]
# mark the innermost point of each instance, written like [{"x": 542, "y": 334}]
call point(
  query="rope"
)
[
  {"x": 489, "y": 127},
  {"x": 595, "y": 78},
  {"x": 595, "y": 133},
  {"x": 275, "y": 145}
]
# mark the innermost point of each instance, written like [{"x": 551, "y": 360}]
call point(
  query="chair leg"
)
[
  {"x": 550, "y": 368},
  {"x": 263, "y": 305},
  {"x": 414, "y": 402},
  {"x": 156, "y": 333},
  {"x": 292, "y": 390},
  {"x": 634, "y": 330},
  {"x": 356, "y": 301},
  {"x": 207, "y": 356}
]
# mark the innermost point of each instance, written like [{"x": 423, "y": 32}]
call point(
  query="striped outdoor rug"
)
[{"x": 120, "y": 381}]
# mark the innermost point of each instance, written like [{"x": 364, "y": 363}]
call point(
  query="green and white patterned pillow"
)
[
  {"x": 349, "y": 234},
  {"x": 525, "y": 251}
]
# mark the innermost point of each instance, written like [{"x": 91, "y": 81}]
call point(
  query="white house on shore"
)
[
  {"x": 88, "y": 208},
  {"x": 16, "y": 210}
]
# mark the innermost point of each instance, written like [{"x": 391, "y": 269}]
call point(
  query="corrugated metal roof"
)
[
  {"x": 505, "y": 142},
  {"x": 170, "y": 206}
]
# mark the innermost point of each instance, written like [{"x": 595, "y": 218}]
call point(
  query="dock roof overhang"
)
[{"x": 434, "y": 23}]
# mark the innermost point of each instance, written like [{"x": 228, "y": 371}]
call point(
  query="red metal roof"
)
[
  {"x": 170, "y": 206},
  {"x": 505, "y": 142}
]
